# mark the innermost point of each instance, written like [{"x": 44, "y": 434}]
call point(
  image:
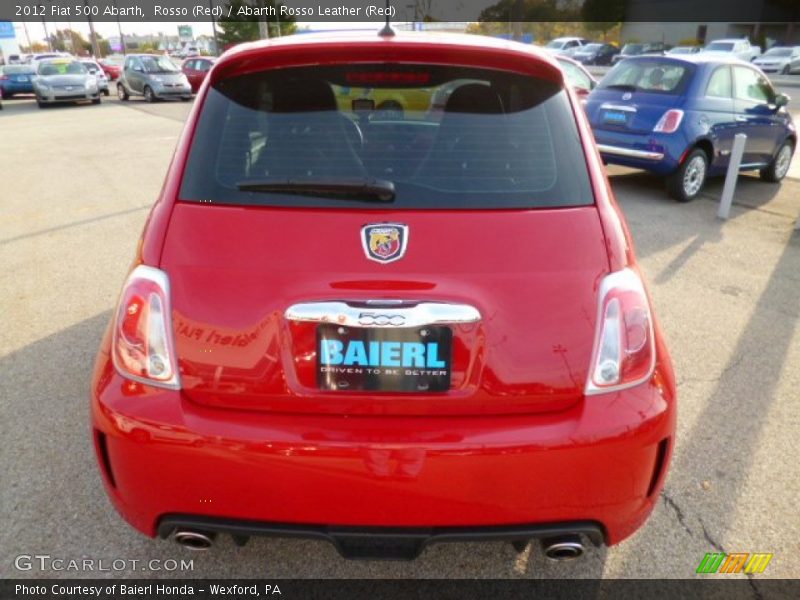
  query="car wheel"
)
[
  {"x": 96, "y": 100},
  {"x": 40, "y": 104},
  {"x": 685, "y": 184},
  {"x": 121, "y": 93},
  {"x": 785, "y": 70},
  {"x": 186, "y": 98},
  {"x": 106, "y": 93},
  {"x": 779, "y": 166},
  {"x": 148, "y": 94}
]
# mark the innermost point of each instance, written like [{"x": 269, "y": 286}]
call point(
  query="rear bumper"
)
[
  {"x": 67, "y": 96},
  {"x": 399, "y": 543},
  {"x": 9, "y": 88},
  {"x": 658, "y": 153},
  {"x": 601, "y": 462}
]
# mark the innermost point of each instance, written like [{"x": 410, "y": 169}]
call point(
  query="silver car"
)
[
  {"x": 154, "y": 77},
  {"x": 64, "y": 80},
  {"x": 780, "y": 59},
  {"x": 97, "y": 71}
]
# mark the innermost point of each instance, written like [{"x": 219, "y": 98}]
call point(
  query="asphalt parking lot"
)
[{"x": 77, "y": 186}]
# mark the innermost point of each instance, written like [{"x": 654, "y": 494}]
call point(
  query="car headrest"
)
[
  {"x": 303, "y": 95},
  {"x": 474, "y": 98}
]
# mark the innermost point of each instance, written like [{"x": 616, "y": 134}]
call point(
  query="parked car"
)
[
  {"x": 385, "y": 333},
  {"x": 95, "y": 69},
  {"x": 14, "y": 59},
  {"x": 739, "y": 48},
  {"x": 629, "y": 50},
  {"x": 196, "y": 70},
  {"x": 780, "y": 59},
  {"x": 566, "y": 45},
  {"x": 112, "y": 67},
  {"x": 595, "y": 54},
  {"x": 35, "y": 58},
  {"x": 153, "y": 76},
  {"x": 683, "y": 50},
  {"x": 64, "y": 80},
  {"x": 16, "y": 79},
  {"x": 191, "y": 52},
  {"x": 677, "y": 117},
  {"x": 578, "y": 77}
]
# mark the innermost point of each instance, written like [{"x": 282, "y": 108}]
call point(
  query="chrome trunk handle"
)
[{"x": 383, "y": 313}]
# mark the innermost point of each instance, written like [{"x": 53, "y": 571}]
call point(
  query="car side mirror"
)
[{"x": 781, "y": 100}]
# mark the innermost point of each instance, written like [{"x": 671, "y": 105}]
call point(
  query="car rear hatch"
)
[
  {"x": 634, "y": 96},
  {"x": 295, "y": 290}
]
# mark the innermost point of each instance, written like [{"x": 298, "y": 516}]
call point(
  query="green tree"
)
[
  {"x": 68, "y": 40},
  {"x": 602, "y": 15},
  {"x": 242, "y": 28}
]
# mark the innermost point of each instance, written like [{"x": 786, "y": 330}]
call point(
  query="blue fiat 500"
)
[{"x": 677, "y": 117}]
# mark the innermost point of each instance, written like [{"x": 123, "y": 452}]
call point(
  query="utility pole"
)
[
  {"x": 119, "y": 28},
  {"x": 263, "y": 23},
  {"x": 47, "y": 36},
  {"x": 517, "y": 20},
  {"x": 27, "y": 36},
  {"x": 214, "y": 30},
  {"x": 92, "y": 34}
]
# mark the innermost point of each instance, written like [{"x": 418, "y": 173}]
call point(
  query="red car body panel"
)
[
  {"x": 195, "y": 76},
  {"x": 514, "y": 441},
  {"x": 112, "y": 71}
]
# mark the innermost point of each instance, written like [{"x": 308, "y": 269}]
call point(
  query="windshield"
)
[
  {"x": 779, "y": 52},
  {"x": 720, "y": 46},
  {"x": 160, "y": 64},
  {"x": 657, "y": 76},
  {"x": 590, "y": 48},
  {"x": 633, "y": 49},
  {"x": 681, "y": 50},
  {"x": 410, "y": 136},
  {"x": 556, "y": 44},
  {"x": 53, "y": 67}
]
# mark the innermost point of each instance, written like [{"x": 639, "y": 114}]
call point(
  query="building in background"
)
[{"x": 648, "y": 21}]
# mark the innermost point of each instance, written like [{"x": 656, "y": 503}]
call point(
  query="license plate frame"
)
[{"x": 339, "y": 366}]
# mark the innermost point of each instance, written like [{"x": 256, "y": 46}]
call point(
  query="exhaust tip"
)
[
  {"x": 194, "y": 540},
  {"x": 563, "y": 548}
]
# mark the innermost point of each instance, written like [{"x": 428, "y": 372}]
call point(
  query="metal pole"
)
[
  {"x": 119, "y": 28},
  {"x": 731, "y": 176},
  {"x": 214, "y": 29},
  {"x": 47, "y": 36},
  {"x": 92, "y": 35},
  {"x": 27, "y": 36}
]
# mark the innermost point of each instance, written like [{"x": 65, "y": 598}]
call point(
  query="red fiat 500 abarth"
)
[{"x": 385, "y": 298}]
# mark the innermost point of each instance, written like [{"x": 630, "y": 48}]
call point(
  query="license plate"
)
[
  {"x": 615, "y": 117},
  {"x": 382, "y": 359}
]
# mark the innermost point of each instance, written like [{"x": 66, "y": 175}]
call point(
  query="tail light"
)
[
  {"x": 624, "y": 351},
  {"x": 143, "y": 348},
  {"x": 670, "y": 121}
]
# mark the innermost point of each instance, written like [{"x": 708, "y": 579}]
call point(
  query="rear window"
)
[
  {"x": 438, "y": 137},
  {"x": 653, "y": 76}
]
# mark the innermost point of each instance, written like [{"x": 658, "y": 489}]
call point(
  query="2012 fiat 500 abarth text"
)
[{"x": 385, "y": 298}]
